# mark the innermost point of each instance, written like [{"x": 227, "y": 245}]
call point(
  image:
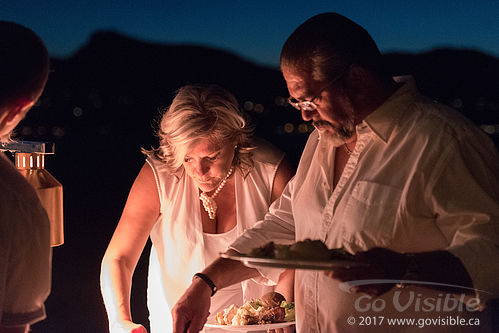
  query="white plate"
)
[
  {"x": 251, "y": 328},
  {"x": 323, "y": 265}
]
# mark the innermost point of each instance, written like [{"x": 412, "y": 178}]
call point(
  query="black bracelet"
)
[{"x": 208, "y": 281}]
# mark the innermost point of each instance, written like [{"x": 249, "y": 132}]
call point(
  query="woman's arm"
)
[
  {"x": 15, "y": 329},
  {"x": 139, "y": 216},
  {"x": 285, "y": 285}
]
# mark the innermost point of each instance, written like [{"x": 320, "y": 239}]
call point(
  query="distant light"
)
[
  {"x": 258, "y": 108},
  {"x": 494, "y": 106},
  {"x": 125, "y": 100},
  {"x": 104, "y": 131},
  {"x": 280, "y": 101},
  {"x": 457, "y": 103},
  {"x": 96, "y": 99},
  {"x": 480, "y": 103},
  {"x": 279, "y": 130},
  {"x": 302, "y": 128},
  {"x": 97, "y": 103},
  {"x": 289, "y": 128},
  {"x": 26, "y": 131},
  {"x": 77, "y": 111},
  {"x": 58, "y": 131},
  {"x": 121, "y": 100},
  {"x": 41, "y": 130},
  {"x": 490, "y": 129},
  {"x": 248, "y": 105}
]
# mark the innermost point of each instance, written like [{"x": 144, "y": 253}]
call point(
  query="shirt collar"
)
[{"x": 382, "y": 120}]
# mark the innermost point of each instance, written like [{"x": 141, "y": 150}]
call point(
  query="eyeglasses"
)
[{"x": 310, "y": 105}]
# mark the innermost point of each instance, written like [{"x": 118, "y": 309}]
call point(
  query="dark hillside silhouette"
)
[{"x": 465, "y": 79}]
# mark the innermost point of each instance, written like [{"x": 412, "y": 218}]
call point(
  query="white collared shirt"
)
[{"x": 421, "y": 178}]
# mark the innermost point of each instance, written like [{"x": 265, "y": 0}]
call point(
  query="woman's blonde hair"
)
[{"x": 202, "y": 112}]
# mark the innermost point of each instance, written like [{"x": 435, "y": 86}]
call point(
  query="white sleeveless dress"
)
[
  {"x": 214, "y": 244},
  {"x": 180, "y": 248}
]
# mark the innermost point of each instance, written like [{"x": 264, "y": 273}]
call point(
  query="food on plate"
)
[
  {"x": 272, "y": 300},
  {"x": 270, "y": 308},
  {"x": 307, "y": 249}
]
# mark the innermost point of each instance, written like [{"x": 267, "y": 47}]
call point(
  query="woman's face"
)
[{"x": 207, "y": 163}]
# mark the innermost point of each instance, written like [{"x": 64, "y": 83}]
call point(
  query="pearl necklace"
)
[{"x": 209, "y": 204}]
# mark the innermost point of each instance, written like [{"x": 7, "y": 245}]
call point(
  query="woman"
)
[{"x": 203, "y": 186}]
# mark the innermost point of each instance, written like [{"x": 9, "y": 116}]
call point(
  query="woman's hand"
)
[
  {"x": 127, "y": 327},
  {"x": 192, "y": 309}
]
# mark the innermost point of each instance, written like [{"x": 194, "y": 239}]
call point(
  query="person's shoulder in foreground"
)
[{"x": 25, "y": 254}]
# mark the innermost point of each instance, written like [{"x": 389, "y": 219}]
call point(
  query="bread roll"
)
[{"x": 272, "y": 299}]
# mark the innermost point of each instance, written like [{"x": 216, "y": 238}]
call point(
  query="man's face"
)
[{"x": 334, "y": 116}]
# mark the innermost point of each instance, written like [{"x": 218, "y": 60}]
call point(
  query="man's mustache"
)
[{"x": 342, "y": 132}]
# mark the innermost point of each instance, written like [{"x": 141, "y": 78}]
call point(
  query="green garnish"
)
[{"x": 289, "y": 308}]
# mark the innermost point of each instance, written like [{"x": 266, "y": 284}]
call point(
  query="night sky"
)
[{"x": 256, "y": 30}]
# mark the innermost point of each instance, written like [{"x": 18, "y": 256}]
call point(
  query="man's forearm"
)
[{"x": 225, "y": 272}]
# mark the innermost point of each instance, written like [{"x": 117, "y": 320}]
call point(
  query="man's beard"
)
[
  {"x": 339, "y": 133},
  {"x": 335, "y": 135}
]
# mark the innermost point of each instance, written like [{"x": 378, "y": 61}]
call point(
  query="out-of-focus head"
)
[
  {"x": 204, "y": 119},
  {"x": 326, "y": 44},
  {"x": 24, "y": 68}
]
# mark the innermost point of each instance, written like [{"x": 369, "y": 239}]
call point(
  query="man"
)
[
  {"x": 405, "y": 183},
  {"x": 25, "y": 254}
]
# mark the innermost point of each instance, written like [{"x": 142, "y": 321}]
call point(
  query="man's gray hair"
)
[{"x": 328, "y": 43}]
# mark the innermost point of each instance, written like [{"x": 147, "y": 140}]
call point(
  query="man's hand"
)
[
  {"x": 192, "y": 309},
  {"x": 382, "y": 264}
]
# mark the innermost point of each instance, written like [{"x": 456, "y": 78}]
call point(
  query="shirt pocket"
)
[{"x": 370, "y": 215}]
